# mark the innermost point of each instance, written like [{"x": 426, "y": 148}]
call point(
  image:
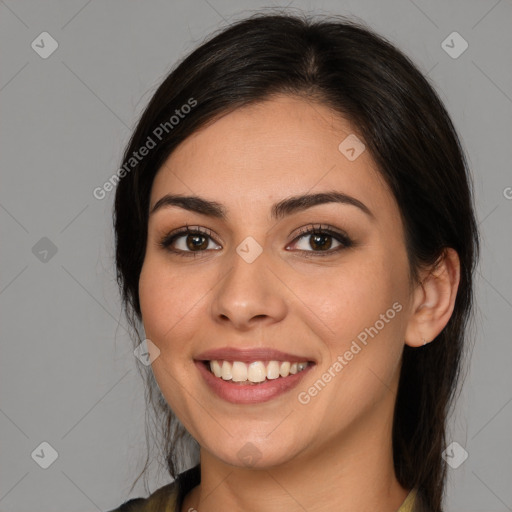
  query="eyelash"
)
[{"x": 341, "y": 237}]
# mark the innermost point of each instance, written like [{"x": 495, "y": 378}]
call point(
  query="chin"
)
[{"x": 253, "y": 453}]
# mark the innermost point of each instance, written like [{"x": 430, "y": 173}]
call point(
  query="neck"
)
[{"x": 353, "y": 471}]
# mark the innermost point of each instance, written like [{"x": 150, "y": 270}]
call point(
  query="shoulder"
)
[
  {"x": 162, "y": 500},
  {"x": 165, "y": 498},
  {"x": 414, "y": 502}
]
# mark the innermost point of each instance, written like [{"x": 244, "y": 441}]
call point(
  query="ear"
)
[{"x": 434, "y": 299}]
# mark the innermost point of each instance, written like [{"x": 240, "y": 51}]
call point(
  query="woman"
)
[{"x": 295, "y": 232}]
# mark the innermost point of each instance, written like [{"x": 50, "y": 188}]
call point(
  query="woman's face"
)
[{"x": 255, "y": 292}]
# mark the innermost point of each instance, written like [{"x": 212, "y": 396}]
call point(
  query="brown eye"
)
[
  {"x": 316, "y": 242},
  {"x": 320, "y": 241},
  {"x": 187, "y": 241},
  {"x": 196, "y": 242}
]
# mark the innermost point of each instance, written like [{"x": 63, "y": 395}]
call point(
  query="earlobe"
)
[{"x": 434, "y": 300}]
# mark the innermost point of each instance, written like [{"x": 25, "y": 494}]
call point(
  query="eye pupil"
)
[
  {"x": 194, "y": 242},
  {"x": 322, "y": 241}
]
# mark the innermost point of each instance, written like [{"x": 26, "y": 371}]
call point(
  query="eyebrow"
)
[{"x": 279, "y": 210}]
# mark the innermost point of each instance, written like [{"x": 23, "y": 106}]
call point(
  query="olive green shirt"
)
[{"x": 166, "y": 499}]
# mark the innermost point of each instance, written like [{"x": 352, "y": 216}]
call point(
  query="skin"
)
[{"x": 333, "y": 453}]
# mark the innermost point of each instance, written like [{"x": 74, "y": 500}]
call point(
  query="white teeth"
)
[
  {"x": 215, "y": 368},
  {"x": 272, "y": 370},
  {"x": 255, "y": 371},
  {"x": 239, "y": 371},
  {"x": 284, "y": 369},
  {"x": 226, "y": 371}
]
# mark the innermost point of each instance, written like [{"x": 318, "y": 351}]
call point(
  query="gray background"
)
[{"x": 68, "y": 375}]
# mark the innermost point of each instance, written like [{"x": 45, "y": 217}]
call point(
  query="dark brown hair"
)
[{"x": 364, "y": 78}]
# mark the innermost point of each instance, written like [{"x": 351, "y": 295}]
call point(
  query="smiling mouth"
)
[{"x": 256, "y": 372}]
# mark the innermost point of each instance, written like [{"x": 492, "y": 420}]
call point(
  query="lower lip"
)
[{"x": 247, "y": 393}]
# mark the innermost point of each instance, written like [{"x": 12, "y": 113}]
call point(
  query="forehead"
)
[{"x": 263, "y": 152}]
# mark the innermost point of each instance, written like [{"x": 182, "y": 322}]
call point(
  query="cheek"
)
[
  {"x": 166, "y": 298},
  {"x": 345, "y": 301},
  {"x": 361, "y": 359},
  {"x": 169, "y": 306},
  {"x": 154, "y": 296},
  {"x": 363, "y": 309}
]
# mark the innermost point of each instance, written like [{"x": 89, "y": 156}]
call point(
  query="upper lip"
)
[{"x": 247, "y": 355}]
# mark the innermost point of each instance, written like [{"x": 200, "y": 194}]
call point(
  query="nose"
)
[{"x": 250, "y": 295}]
